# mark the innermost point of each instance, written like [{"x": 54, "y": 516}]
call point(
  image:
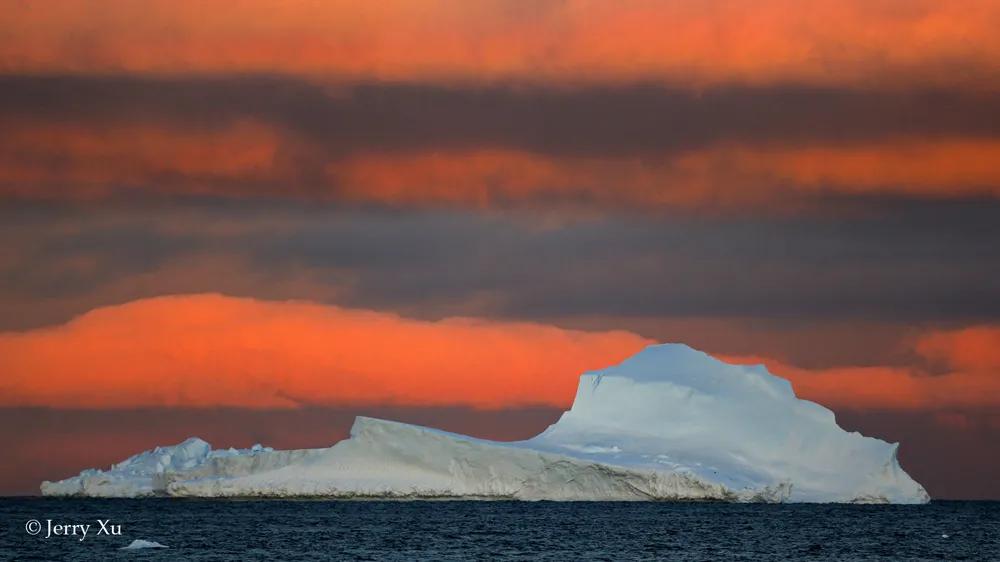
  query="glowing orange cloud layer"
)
[
  {"x": 71, "y": 162},
  {"x": 709, "y": 41},
  {"x": 718, "y": 176},
  {"x": 211, "y": 350},
  {"x": 890, "y": 388},
  {"x": 971, "y": 380},
  {"x": 972, "y": 349},
  {"x": 75, "y": 162},
  {"x": 939, "y": 168}
]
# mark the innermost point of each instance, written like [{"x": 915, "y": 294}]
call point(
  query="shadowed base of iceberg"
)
[{"x": 670, "y": 423}]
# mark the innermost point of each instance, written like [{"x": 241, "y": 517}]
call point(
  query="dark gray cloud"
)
[
  {"x": 596, "y": 120},
  {"x": 911, "y": 262}
]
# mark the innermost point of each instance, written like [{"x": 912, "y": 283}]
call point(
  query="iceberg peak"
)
[
  {"x": 738, "y": 425},
  {"x": 682, "y": 364}
]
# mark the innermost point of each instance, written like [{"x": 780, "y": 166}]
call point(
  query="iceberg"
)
[{"x": 670, "y": 423}]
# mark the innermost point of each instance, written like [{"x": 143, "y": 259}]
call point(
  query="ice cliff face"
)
[{"x": 670, "y": 423}]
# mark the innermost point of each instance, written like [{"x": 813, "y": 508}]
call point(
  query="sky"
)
[{"x": 252, "y": 222}]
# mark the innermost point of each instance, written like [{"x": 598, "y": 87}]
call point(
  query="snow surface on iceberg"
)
[{"x": 670, "y": 423}]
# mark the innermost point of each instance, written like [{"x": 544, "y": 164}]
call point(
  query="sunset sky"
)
[{"x": 250, "y": 221}]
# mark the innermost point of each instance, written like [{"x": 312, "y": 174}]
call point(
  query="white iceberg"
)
[{"x": 670, "y": 423}]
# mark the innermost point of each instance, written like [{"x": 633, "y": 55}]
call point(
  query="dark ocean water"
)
[{"x": 338, "y": 530}]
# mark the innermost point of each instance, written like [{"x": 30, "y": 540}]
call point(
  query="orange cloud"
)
[
  {"x": 722, "y": 176},
  {"x": 973, "y": 380},
  {"x": 78, "y": 162},
  {"x": 857, "y": 42},
  {"x": 247, "y": 160},
  {"x": 211, "y": 350},
  {"x": 972, "y": 349},
  {"x": 915, "y": 167}
]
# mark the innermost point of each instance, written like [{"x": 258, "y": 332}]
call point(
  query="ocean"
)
[{"x": 460, "y": 530}]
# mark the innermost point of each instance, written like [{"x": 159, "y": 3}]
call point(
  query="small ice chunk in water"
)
[{"x": 139, "y": 543}]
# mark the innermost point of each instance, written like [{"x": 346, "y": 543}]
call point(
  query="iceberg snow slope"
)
[{"x": 670, "y": 423}]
